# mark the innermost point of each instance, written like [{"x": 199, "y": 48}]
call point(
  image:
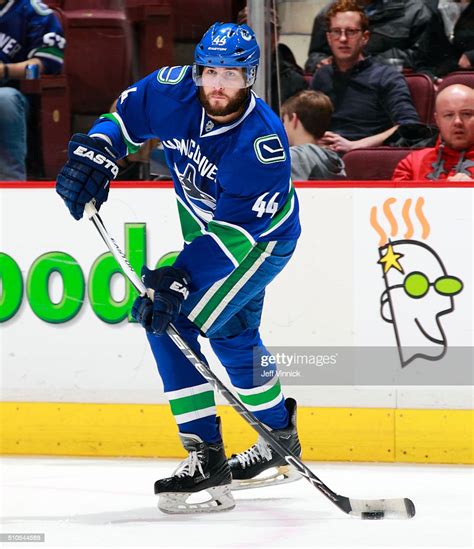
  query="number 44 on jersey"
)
[{"x": 263, "y": 206}]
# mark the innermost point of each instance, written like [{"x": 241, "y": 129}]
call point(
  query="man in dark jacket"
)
[
  {"x": 397, "y": 31},
  {"x": 450, "y": 40},
  {"x": 370, "y": 99}
]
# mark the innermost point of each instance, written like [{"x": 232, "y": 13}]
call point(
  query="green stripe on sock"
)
[
  {"x": 262, "y": 398},
  {"x": 192, "y": 403}
]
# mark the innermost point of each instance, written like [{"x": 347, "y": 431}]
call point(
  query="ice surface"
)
[{"x": 82, "y": 502}]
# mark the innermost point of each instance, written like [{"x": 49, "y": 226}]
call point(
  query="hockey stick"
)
[{"x": 400, "y": 508}]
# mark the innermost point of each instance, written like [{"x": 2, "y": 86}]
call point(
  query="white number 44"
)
[{"x": 263, "y": 206}]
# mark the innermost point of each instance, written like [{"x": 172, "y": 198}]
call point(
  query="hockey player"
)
[{"x": 229, "y": 157}]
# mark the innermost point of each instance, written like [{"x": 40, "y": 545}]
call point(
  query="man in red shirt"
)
[{"x": 453, "y": 156}]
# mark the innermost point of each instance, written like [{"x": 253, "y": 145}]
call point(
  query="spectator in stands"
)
[
  {"x": 289, "y": 78},
  {"x": 30, "y": 34},
  {"x": 453, "y": 156},
  {"x": 450, "y": 41},
  {"x": 370, "y": 99},
  {"x": 306, "y": 117},
  {"x": 397, "y": 31}
]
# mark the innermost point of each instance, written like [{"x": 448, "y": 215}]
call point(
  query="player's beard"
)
[{"x": 234, "y": 104}]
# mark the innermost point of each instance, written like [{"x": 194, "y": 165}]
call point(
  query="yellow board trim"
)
[{"x": 327, "y": 434}]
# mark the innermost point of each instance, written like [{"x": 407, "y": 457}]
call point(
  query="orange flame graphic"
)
[
  {"x": 375, "y": 224},
  {"x": 389, "y": 215},
  {"x": 406, "y": 216},
  {"x": 421, "y": 216}
]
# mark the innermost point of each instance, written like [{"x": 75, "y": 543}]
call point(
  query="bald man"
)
[{"x": 453, "y": 156}]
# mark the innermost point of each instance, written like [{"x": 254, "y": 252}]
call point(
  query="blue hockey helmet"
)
[{"x": 228, "y": 45}]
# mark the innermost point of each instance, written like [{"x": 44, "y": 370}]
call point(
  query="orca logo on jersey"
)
[
  {"x": 98, "y": 158},
  {"x": 269, "y": 149},
  {"x": 192, "y": 191}
]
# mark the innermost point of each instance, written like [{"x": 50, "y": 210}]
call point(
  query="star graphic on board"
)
[{"x": 390, "y": 259}]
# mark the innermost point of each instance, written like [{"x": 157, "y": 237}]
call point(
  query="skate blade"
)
[
  {"x": 281, "y": 475},
  {"x": 175, "y": 503}
]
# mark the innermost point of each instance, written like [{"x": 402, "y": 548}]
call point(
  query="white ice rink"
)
[{"x": 80, "y": 502}]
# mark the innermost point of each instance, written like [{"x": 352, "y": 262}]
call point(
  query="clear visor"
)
[{"x": 223, "y": 77}]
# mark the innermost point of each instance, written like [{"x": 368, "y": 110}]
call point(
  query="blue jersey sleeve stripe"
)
[
  {"x": 56, "y": 56},
  {"x": 132, "y": 146}
]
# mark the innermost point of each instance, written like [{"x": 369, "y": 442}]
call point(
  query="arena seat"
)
[
  {"x": 49, "y": 127},
  {"x": 423, "y": 94},
  {"x": 458, "y": 77},
  {"x": 152, "y": 22},
  {"x": 72, "y": 5},
  {"x": 192, "y": 21},
  {"x": 97, "y": 59},
  {"x": 373, "y": 163}
]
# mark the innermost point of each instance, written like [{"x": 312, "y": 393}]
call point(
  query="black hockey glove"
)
[
  {"x": 171, "y": 288},
  {"x": 87, "y": 173}
]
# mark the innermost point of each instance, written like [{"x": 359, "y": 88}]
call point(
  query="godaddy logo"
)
[{"x": 36, "y": 288}]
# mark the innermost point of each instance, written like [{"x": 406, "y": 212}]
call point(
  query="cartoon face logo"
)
[
  {"x": 418, "y": 292},
  {"x": 418, "y": 289}
]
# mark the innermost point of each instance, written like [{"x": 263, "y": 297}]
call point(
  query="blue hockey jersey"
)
[
  {"x": 28, "y": 28},
  {"x": 232, "y": 181}
]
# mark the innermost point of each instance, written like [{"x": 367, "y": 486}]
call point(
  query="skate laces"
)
[
  {"x": 256, "y": 453},
  {"x": 188, "y": 467}
]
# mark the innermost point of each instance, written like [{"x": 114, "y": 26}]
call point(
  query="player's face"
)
[
  {"x": 346, "y": 37},
  {"x": 222, "y": 92},
  {"x": 455, "y": 118}
]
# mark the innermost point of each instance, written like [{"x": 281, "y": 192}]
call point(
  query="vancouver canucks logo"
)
[
  {"x": 245, "y": 34},
  {"x": 203, "y": 203}
]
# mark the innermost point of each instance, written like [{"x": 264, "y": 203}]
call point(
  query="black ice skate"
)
[
  {"x": 205, "y": 470},
  {"x": 260, "y": 465}
]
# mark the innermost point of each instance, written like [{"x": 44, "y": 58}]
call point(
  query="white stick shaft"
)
[{"x": 115, "y": 249}]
